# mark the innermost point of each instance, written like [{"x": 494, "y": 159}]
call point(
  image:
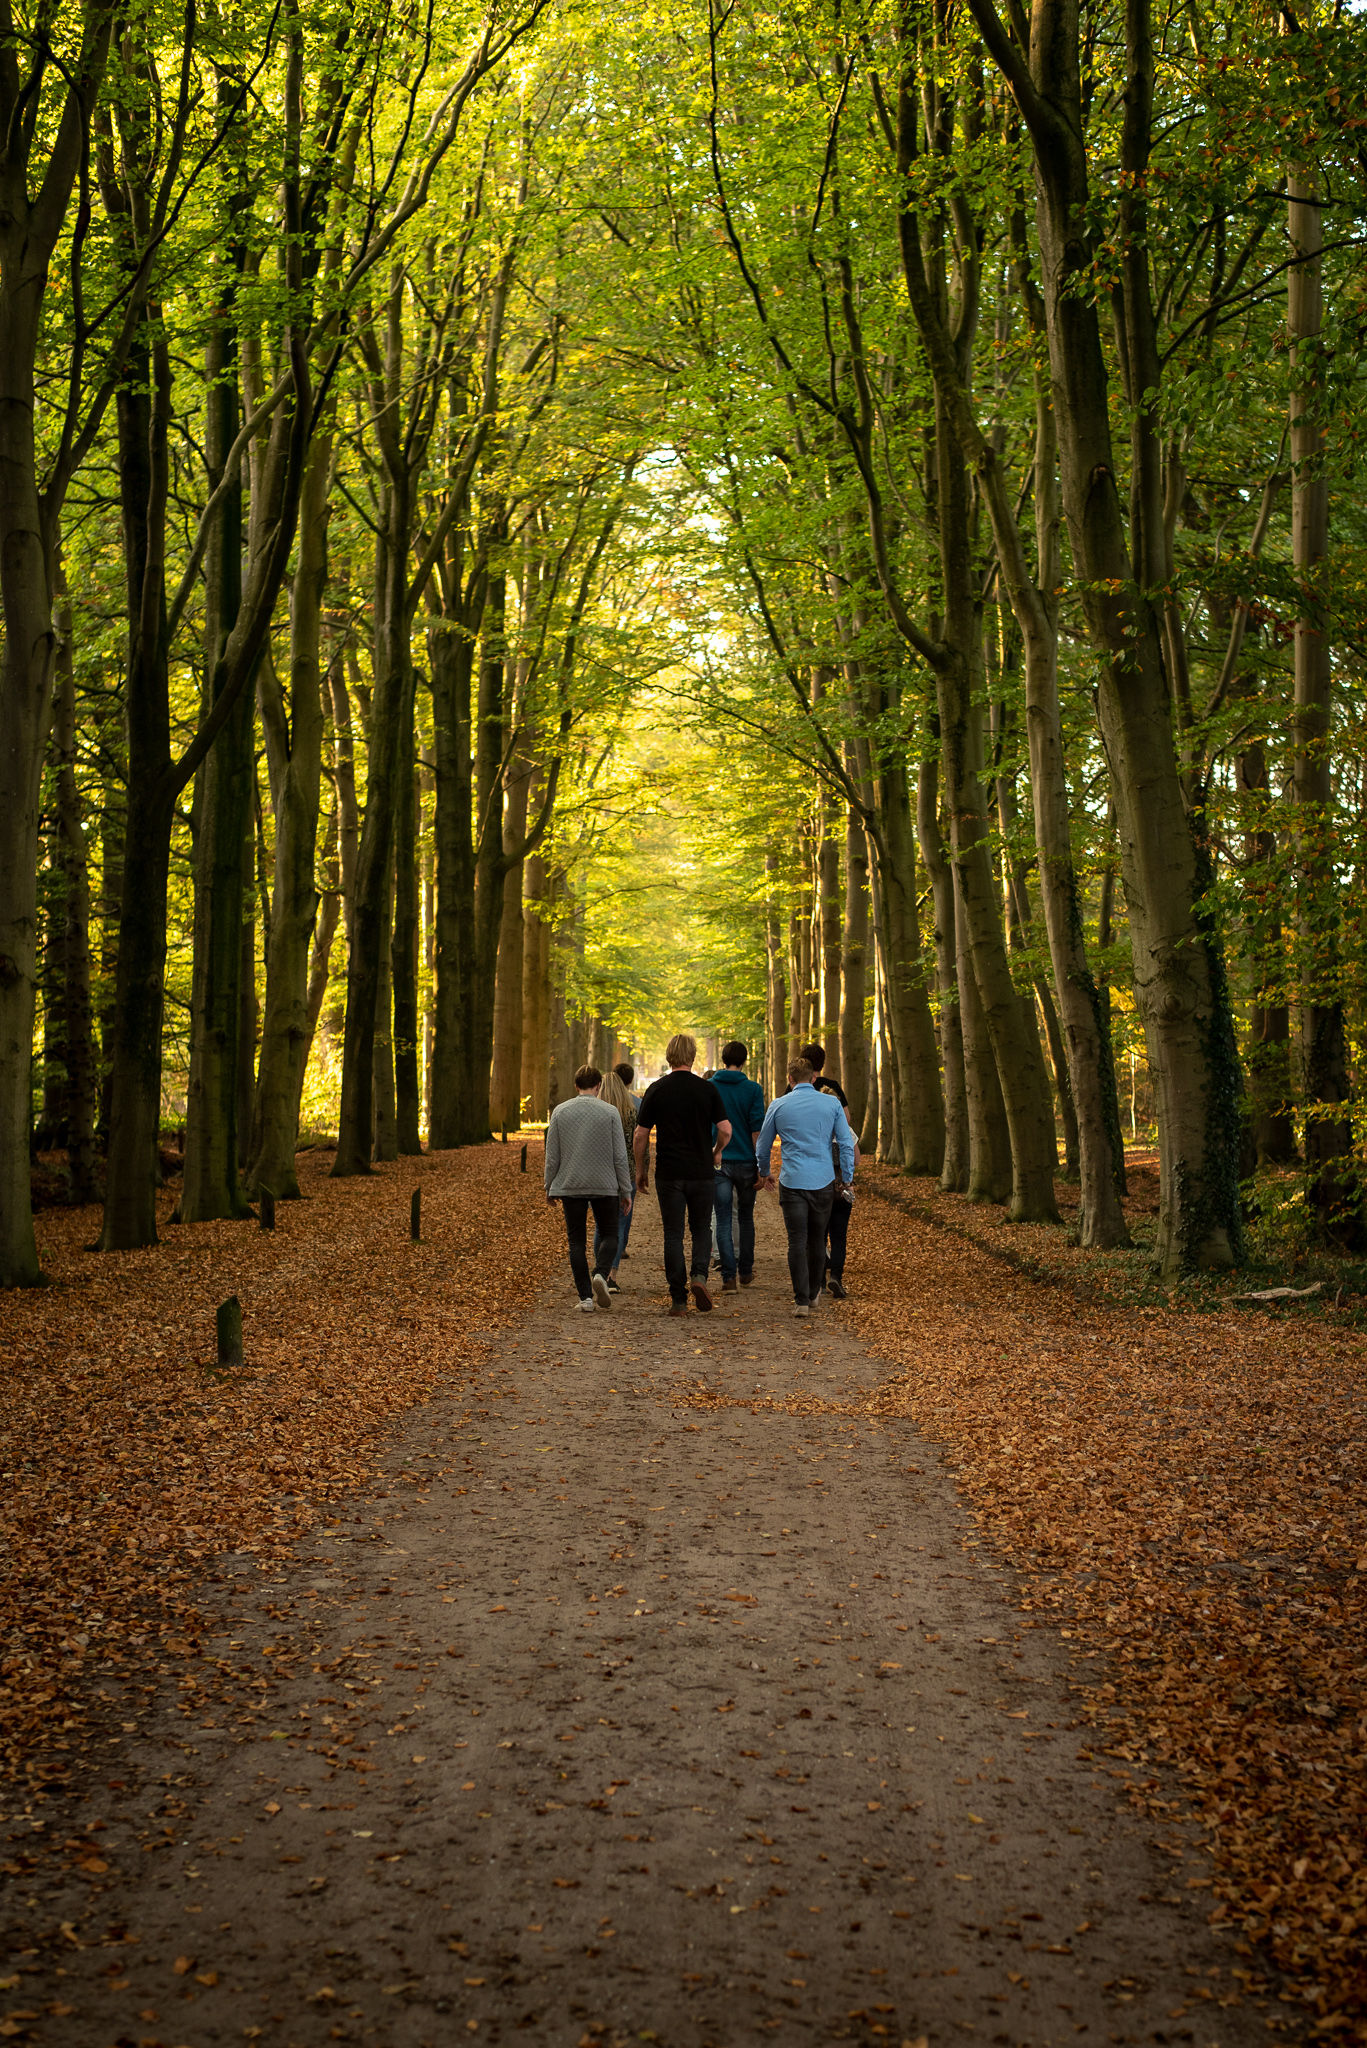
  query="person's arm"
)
[
  {"x": 723, "y": 1139},
  {"x": 844, "y": 1138},
  {"x": 621, "y": 1164},
  {"x": 552, "y": 1155},
  {"x": 764, "y": 1145},
  {"x": 640, "y": 1145}
]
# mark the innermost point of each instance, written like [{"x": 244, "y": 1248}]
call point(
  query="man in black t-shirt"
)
[{"x": 691, "y": 1128}]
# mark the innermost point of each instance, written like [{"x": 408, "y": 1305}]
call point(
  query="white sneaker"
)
[
  {"x": 600, "y": 1291},
  {"x": 588, "y": 1304},
  {"x": 801, "y": 1309}
]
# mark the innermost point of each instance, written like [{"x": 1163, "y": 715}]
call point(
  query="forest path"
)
[{"x": 669, "y": 1706}]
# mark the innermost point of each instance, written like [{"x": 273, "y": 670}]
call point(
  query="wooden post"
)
[
  {"x": 267, "y": 1210},
  {"x": 230, "y": 1332},
  {"x": 504, "y": 1139},
  {"x": 415, "y": 1216},
  {"x": 524, "y": 1158}
]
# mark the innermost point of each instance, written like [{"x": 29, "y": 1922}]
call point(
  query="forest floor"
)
[{"x": 985, "y": 1658}]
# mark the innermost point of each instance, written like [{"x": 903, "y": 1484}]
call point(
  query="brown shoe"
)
[
  {"x": 730, "y": 1287},
  {"x": 747, "y": 1279},
  {"x": 677, "y": 1308},
  {"x": 702, "y": 1299}
]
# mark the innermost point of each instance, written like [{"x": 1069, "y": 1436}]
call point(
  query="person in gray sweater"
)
[{"x": 587, "y": 1168}]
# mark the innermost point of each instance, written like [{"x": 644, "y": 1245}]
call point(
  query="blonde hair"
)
[
  {"x": 681, "y": 1050},
  {"x": 614, "y": 1091}
]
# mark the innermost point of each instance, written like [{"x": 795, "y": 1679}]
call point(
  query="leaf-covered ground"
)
[
  {"x": 129, "y": 1460},
  {"x": 1185, "y": 1493}
]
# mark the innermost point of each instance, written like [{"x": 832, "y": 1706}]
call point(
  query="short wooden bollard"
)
[
  {"x": 415, "y": 1216},
  {"x": 524, "y": 1158},
  {"x": 266, "y": 1212},
  {"x": 230, "y": 1332},
  {"x": 504, "y": 1139}
]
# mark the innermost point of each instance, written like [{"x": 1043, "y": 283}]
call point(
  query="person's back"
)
[
  {"x": 586, "y": 1152},
  {"x": 681, "y": 1109},
  {"x": 691, "y": 1127},
  {"x": 737, "y": 1177},
  {"x": 744, "y": 1101}
]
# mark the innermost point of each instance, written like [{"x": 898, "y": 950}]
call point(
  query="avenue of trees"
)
[{"x": 519, "y": 528}]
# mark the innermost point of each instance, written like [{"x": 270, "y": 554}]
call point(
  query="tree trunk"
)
[
  {"x": 384, "y": 1107},
  {"x": 248, "y": 1006},
  {"x": 489, "y": 858},
  {"x": 776, "y": 992},
  {"x": 1268, "y": 1056},
  {"x": 854, "y": 1073},
  {"x": 404, "y": 947},
  {"x": 868, "y": 1128},
  {"x": 1063, "y": 1087},
  {"x": 211, "y": 1186},
  {"x": 954, "y": 1168},
  {"x": 1323, "y": 1046},
  {"x": 505, "y": 1082},
  {"x": 829, "y": 921},
  {"x": 456, "y": 1115},
  {"x": 368, "y": 967},
  {"x": 536, "y": 964},
  {"x": 920, "y": 1100},
  {"x": 1179, "y": 973},
  {"x": 27, "y": 671},
  {"x": 28, "y": 540},
  {"x": 427, "y": 857},
  {"x": 295, "y": 985},
  {"x": 889, "y": 1132},
  {"x": 78, "y": 1028},
  {"x": 1014, "y": 1048},
  {"x": 131, "y": 1170},
  {"x": 887, "y": 1139},
  {"x": 795, "y": 1002}
]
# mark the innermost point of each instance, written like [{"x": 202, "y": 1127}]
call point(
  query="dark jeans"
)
[
  {"x": 605, "y": 1214},
  {"x": 806, "y": 1213},
  {"x": 691, "y": 1199},
  {"x": 623, "y": 1233},
  {"x": 743, "y": 1181},
  {"x": 838, "y": 1231}
]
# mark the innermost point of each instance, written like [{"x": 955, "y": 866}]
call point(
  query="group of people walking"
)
[{"x": 714, "y": 1140}]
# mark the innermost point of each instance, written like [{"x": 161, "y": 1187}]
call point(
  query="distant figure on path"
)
[
  {"x": 838, "y": 1229},
  {"x": 587, "y": 1167},
  {"x": 807, "y": 1125},
  {"x": 737, "y": 1176},
  {"x": 614, "y": 1093},
  {"x": 682, "y": 1109}
]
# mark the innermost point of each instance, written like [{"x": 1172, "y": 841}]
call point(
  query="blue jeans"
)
[
  {"x": 806, "y": 1217},
  {"x": 623, "y": 1233},
  {"x": 743, "y": 1181}
]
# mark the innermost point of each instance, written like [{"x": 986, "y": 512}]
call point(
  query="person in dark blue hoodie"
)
[{"x": 737, "y": 1176}]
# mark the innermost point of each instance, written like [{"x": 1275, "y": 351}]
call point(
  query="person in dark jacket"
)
[
  {"x": 737, "y": 1175},
  {"x": 838, "y": 1229}
]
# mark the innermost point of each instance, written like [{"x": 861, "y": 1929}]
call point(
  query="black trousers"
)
[
  {"x": 606, "y": 1213},
  {"x": 806, "y": 1214},
  {"x": 838, "y": 1230},
  {"x": 689, "y": 1200}
]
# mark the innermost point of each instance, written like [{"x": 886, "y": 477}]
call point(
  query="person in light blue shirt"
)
[{"x": 807, "y": 1125}]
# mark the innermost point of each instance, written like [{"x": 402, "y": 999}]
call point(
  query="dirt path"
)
[{"x": 652, "y": 1711}]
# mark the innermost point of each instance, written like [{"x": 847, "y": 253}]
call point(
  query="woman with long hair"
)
[{"x": 614, "y": 1092}]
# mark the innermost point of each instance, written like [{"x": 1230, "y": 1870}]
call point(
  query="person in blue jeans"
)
[
  {"x": 737, "y": 1181},
  {"x": 807, "y": 1125}
]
